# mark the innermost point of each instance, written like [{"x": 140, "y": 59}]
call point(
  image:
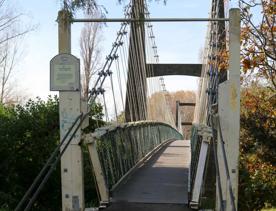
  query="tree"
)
[
  {"x": 10, "y": 36},
  {"x": 259, "y": 39},
  {"x": 90, "y": 51},
  {"x": 9, "y": 53},
  {"x": 9, "y": 24},
  {"x": 187, "y": 112},
  {"x": 73, "y": 5},
  {"x": 157, "y": 109},
  {"x": 257, "y": 185},
  {"x": 257, "y": 150},
  {"x": 29, "y": 133},
  {"x": 87, "y": 5}
]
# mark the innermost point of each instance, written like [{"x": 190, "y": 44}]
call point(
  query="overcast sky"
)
[{"x": 177, "y": 42}]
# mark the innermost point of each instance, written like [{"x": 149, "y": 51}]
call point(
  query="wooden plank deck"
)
[{"x": 160, "y": 184}]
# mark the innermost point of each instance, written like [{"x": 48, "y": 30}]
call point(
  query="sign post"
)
[{"x": 65, "y": 78}]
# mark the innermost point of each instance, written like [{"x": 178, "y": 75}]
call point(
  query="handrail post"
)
[
  {"x": 206, "y": 135},
  {"x": 97, "y": 170}
]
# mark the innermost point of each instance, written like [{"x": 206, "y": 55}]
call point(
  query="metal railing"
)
[
  {"x": 196, "y": 142},
  {"x": 121, "y": 147}
]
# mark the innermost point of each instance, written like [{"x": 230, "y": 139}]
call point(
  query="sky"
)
[{"x": 176, "y": 42}]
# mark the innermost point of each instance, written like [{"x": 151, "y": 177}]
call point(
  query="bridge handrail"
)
[
  {"x": 101, "y": 131},
  {"x": 196, "y": 141},
  {"x": 120, "y": 147}
]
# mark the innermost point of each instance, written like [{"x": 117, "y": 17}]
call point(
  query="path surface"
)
[{"x": 160, "y": 184}]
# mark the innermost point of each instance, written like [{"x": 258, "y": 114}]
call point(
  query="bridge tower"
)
[{"x": 136, "y": 105}]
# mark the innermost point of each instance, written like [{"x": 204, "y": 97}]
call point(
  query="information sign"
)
[{"x": 65, "y": 73}]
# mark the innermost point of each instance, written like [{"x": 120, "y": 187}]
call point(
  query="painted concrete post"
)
[
  {"x": 229, "y": 113},
  {"x": 69, "y": 109}
]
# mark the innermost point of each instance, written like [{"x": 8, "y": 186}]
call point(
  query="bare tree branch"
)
[
  {"x": 258, "y": 41},
  {"x": 10, "y": 36},
  {"x": 90, "y": 52}
]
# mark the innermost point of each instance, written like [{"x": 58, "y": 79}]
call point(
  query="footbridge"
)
[{"x": 139, "y": 158}]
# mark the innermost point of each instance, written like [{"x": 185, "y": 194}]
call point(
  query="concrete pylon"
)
[
  {"x": 229, "y": 116},
  {"x": 69, "y": 110}
]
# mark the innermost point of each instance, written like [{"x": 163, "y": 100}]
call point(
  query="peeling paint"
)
[{"x": 233, "y": 97}]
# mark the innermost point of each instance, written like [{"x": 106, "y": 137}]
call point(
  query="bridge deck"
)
[{"x": 160, "y": 184}]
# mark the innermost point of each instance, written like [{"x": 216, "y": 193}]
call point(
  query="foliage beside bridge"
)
[
  {"x": 257, "y": 187},
  {"x": 29, "y": 133}
]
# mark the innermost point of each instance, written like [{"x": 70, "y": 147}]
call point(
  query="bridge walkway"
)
[{"x": 160, "y": 184}]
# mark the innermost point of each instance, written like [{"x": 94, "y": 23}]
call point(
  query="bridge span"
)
[
  {"x": 159, "y": 183},
  {"x": 139, "y": 160}
]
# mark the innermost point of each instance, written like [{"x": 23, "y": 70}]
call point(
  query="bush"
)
[
  {"x": 257, "y": 186},
  {"x": 28, "y": 135}
]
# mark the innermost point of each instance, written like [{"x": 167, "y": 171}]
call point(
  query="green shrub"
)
[{"x": 28, "y": 135}]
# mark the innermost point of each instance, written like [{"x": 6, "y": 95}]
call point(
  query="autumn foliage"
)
[
  {"x": 257, "y": 185},
  {"x": 258, "y": 39},
  {"x": 186, "y": 112}
]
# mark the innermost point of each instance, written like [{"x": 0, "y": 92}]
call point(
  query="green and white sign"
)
[{"x": 65, "y": 73}]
